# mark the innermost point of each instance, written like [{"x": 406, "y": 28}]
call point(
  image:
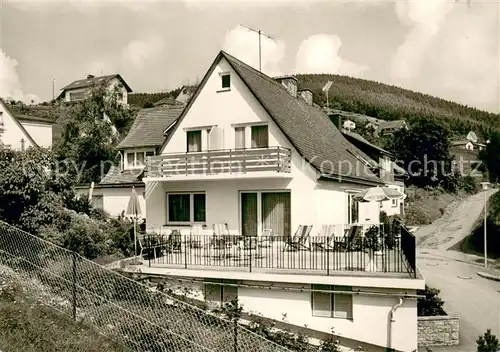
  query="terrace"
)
[{"x": 368, "y": 252}]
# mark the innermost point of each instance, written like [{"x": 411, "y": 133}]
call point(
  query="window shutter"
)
[
  {"x": 342, "y": 303},
  {"x": 321, "y": 302}
]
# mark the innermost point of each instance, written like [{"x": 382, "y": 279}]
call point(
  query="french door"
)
[{"x": 265, "y": 210}]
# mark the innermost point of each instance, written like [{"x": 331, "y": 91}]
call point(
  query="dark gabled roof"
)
[
  {"x": 391, "y": 124},
  {"x": 116, "y": 176},
  {"x": 19, "y": 124},
  {"x": 361, "y": 139},
  {"x": 89, "y": 82},
  {"x": 307, "y": 127},
  {"x": 167, "y": 101},
  {"x": 37, "y": 119},
  {"x": 147, "y": 129}
]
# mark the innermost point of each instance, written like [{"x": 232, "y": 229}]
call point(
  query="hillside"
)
[
  {"x": 391, "y": 103},
  {"x": 145, "y": 100}
]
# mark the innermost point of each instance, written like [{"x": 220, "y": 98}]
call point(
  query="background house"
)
[
  {"x": 78, "y": 90},
  {"x": 143, "y": 140},
  {"x": 20, "y": 131}
]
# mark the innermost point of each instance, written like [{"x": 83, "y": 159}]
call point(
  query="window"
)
[
  {"x": 226, "y": 81},
  {"x": 331, "y": 305},
  {"x": 130, "y": 159},
  {"x": 139, "y": 159},
  {"x": 193, "y": 141},
  {"x": 260, "y": 136},
  {"x": 148, "y": 154},
  {"x": 394, "y": 203},
  {"x": 239, "y": 137},
  {"x": 186, "y": 208},
  {"x": 218, "y": 294},
  {"x": 352, "y": 209},
  {"x": 76, "y": 96},
  {"x": 97, "y": 202}
]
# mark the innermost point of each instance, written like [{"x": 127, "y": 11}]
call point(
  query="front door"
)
[{"x": 249, "y": 225}]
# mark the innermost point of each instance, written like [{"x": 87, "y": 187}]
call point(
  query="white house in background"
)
[
  {"x": 144, "y": 139},
  {"x": 249, "y": 152},
  {"x": 79, "y": 90},
  {"x": 20, "y": 132}
]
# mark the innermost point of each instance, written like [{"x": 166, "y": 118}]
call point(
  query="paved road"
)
[{"x": 476, "y": 301}]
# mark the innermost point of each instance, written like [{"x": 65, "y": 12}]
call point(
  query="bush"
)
[
  {"x": 372, "y": 239},
  {"x": 469, "y": 185},
  {"x": 431, "y": 304},
  {"x": 487, "y": 342}
]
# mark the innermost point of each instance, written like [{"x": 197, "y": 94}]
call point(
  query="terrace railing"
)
[
  {"x": 318, "y": 255},
  {"x": 214, "y": 162},
  {"x": 409, "y": 248}
]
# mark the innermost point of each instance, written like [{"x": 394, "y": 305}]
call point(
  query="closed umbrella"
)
[{"x": 134, "y": 210}]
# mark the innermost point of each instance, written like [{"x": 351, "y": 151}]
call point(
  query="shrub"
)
[
  {"x": 372, "y": 239},
  {"x": 431, "y": 304},
  {"x": 487, "y": 342},
  {"x": 469, "y": 184}
]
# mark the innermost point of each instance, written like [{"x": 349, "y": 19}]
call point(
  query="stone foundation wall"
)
[{"x": 438, "y": 331}]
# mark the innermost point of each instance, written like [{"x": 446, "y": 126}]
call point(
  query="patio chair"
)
[
  {"x": 195, "y": 238},
  {"x": 221, "y": 233},
  {"x": 326, "y": 237},
  {"x": 265, "y": 238},
  {"x": 349, "y": 238},
  {"x": 172, "y": 239},
  {"x": 299, "y": 239}
]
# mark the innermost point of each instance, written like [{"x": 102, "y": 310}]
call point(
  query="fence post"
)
[
  {"x": 74, "y": 285},
  {"x": 250, "y": 254},
  {"x": 186, "y": 246},
  {"x": 235, "y": 334},
  {"x": 327, "y": 258}
]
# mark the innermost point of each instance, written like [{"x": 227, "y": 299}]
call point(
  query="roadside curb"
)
[{"x": 488, "y": 276}]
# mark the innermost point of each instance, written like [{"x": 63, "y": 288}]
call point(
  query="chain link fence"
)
[{"x": 132, "y": 315}]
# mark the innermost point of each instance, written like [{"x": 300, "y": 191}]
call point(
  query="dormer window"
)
[
  {"x": 225, "y": 81},
  {"x": 137, "y": 159}
]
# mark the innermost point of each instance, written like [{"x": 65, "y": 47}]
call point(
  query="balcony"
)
[
  {"x": 266, "y": 162},
  {"x": 394, "y": 256}
]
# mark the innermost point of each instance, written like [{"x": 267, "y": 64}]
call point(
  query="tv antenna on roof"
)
[{"x": 259, "y": 32}]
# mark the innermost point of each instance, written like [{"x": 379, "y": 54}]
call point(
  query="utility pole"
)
[
  {"x": 259, "y": 32},
  {"x": 485, "y": 186}
]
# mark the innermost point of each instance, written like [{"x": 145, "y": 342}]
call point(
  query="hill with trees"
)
[
  {"x": 146, "y": 100},
  {"x": 393, "y": 103}
]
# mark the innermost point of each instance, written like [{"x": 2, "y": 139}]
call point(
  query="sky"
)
[{"x": 450, "y": 49}]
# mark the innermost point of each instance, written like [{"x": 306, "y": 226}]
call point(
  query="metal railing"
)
[
  {"x": 374, "y": 251},
  {"x": 227, "y": 161},
  {"x": 409, "y": 248},
  {"x": 116, "y": 306}
]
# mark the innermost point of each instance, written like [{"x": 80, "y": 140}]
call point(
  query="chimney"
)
[
  {"x": 306, "y": 95},
  {"x": 90, "y": 76},
  {"x": 290, "y": 83}
]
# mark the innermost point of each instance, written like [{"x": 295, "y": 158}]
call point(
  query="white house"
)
[
  {"x": 250, "y": 152},
  {"x": 143, "y": 140},
  {"x": 78, "y": 90},
  {"x": 20, "y": 132}
]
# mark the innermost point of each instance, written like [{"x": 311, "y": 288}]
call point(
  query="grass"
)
[
  {"x": 423, "y": 206},
  {"x": 27, "y": 325}
]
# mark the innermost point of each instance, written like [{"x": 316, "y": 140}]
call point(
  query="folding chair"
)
[{"x": 299, "y": 239}]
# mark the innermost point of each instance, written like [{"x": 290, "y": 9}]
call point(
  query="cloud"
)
[
  {"x": 139, "y": 53},
  {"x": 451, "y": 50},
  {"x": 320, "y": 54},
  {"x": 244, "y": 45},
  {"x": 81, "y": 5},
  {"x": 10, "y": 86}
]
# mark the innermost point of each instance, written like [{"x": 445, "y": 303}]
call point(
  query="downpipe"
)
[{"x": 392, "y": 320}]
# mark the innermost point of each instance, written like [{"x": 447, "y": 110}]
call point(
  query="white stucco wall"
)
[
  {"x": 387, "y": 206},
  {"x": 40, "y": 132},
  {"x": 115, "y": 200},
  {"x": 370, "y": 323},
  {"x": 13, "y": 133}
]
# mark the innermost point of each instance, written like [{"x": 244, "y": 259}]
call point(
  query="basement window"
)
[
  {"x": 331, "y": 305},
  {"x": 217, "y": 293}
]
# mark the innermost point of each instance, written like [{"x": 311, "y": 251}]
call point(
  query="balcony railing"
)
[
  {"x": 214, "y": 162},
  {"x": 319, "y": 255}
]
